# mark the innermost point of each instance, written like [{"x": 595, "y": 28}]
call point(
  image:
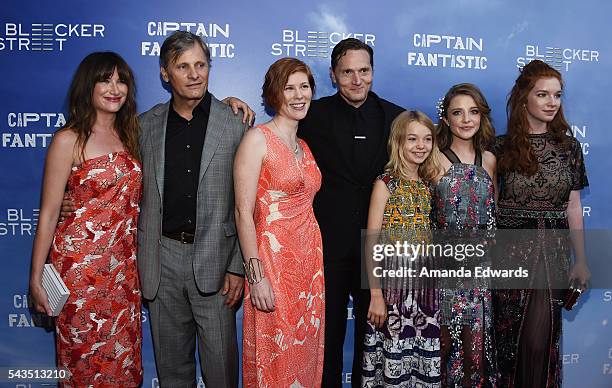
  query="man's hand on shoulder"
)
[{"x": 236, "y": 104}]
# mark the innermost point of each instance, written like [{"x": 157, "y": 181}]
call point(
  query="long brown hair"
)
[
  {"x": 517, "y": 154},
  {"x": 430, "y": 168},
  {"x": 97, "y": 67},
  {"x": 485, "y": 135}
]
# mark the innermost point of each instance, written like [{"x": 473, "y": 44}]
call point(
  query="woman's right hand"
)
[
  {"x": 262, "y": 295},
  {"x": 40, "y": 300},
  {"x": 377, "y": 313}
]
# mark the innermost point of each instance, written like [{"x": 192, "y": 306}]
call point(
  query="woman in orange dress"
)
[
  {"x": 95, "y": 158},
  {"x": 276, "y": 179}
]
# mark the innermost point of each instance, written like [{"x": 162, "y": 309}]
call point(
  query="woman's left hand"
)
[
  {"x": 377, "y": 312},
  {"x": 581, "y": 274}
]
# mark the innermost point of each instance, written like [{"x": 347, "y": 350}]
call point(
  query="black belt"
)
[{"x": 183, "y": 237}]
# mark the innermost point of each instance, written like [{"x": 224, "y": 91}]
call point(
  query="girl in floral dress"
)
[
  {"x": 463, "y": 199},
  {"x": 402, "y": 342}
]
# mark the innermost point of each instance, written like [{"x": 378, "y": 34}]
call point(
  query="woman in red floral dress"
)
[
  {"x": 95, "y": 158},
  {"x": 276, "y": 179}
]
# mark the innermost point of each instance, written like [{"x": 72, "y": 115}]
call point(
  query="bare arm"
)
[
  {"x": 580, "y": 270},
  {"x": 57, "y": 170},
  {"x": 377, "y": 311},
  {"x": 247, "y": 166},
  {"x": 490, "y": 165}
]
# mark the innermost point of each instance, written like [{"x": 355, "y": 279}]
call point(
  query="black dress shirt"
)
[
  {"x": 366, "y": 123},
  {"x": 183, "y": 153}
]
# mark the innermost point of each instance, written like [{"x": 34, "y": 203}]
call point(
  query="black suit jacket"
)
[{"x": 341, "y": 205}]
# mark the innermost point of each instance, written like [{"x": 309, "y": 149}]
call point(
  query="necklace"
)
[{"x": 296, "y": 149}]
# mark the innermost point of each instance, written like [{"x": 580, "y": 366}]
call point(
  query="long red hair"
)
[{"x": 517, "y": 155}]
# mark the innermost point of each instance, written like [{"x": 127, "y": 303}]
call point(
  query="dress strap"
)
[
  {"x": 263, "y": 129},
  {"x": 478, "y": 159},
  {"x": 451, "y": 156},
  {"x": 385, "y": 177},
  {"x": 390, "y": 181}
]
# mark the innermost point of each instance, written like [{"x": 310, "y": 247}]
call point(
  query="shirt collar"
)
[
  {"x": 367, "y": 105},
  {"x": 203, "y": 106}
]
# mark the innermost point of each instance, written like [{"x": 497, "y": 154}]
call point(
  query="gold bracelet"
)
[{"x": 253, "y": 275}]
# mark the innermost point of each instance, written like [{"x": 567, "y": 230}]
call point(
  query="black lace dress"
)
[{"x": 528, "y": 321}]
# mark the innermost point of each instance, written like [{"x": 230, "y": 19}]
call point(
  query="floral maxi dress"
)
[
  {"x": 284, "y": 348},
  {"x": 99, "y": 329},
  {"x": 464, "y": 201}
]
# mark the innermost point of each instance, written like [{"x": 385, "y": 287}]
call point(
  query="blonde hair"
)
[{"x": 397, "y": 165}]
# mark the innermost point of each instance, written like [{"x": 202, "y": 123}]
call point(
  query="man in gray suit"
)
[{"x": 189, "y": 259}]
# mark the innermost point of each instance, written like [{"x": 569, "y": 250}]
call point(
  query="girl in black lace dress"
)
[{"x": 541, "y": 171}]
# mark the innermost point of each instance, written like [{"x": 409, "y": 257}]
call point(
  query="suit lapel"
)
[
  {"x": 158, "y": 145},
  {"x": 217, "y": 121}
]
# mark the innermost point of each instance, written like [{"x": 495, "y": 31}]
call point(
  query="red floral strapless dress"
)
[{"x": 94, "y": 250}]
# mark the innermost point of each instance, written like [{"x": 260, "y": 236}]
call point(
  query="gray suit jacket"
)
[{"x": 216, "y": 248}]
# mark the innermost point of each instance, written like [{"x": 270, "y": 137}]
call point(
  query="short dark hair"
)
[
  {"x": 349, "y": 44},
  {"x": 276, "y": 79},
  {"x": 177, "y": 43}
]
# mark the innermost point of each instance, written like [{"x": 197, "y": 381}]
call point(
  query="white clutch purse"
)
[{"x": 56, "y": 289}]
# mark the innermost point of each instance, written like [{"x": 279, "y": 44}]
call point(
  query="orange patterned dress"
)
[
  {"x": 284, "y": 348},
  {"x": 94, "y": 250}
]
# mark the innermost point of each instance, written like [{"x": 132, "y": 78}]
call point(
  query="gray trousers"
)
[{"x": 179, "y": 314}]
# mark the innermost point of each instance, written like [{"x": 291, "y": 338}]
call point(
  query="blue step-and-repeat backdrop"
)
[{"x": 421, "y": 49}]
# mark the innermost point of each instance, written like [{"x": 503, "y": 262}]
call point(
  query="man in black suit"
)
[{"x": 347, "y": 133}]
